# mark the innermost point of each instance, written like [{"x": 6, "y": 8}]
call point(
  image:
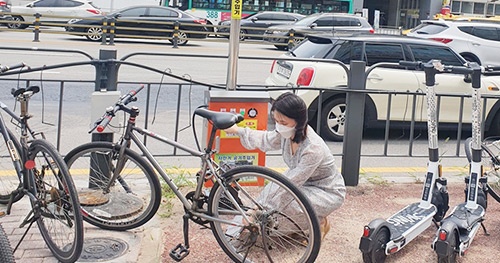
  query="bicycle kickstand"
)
[{"x": 181, "y": 251}]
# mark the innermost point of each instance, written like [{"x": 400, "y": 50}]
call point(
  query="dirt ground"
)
[{"x": 363, "y": 204}]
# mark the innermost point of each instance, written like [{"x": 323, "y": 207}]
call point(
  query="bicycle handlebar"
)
[
  {"x": 103, "y": 121},
  {"x": 15, "y": 66},
  {"x": 440, "y": 68}
]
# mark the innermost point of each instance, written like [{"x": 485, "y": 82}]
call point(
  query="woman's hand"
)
[{"x": 233, "y": 129}]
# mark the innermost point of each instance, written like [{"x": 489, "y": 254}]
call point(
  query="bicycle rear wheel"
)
[
  {"x": 128, "y": 202},
  {"x": 6, "y": 254},
  {"x": 9, "y": 181},
  {"x": 60, "y": 219},
  {"x": 283, "y": 228},
  {"x": 491, "y": 163}
]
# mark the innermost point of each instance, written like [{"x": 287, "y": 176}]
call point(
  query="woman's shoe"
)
[{"x": 324, "y": 228}]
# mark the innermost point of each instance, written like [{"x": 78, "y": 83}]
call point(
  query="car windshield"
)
[
  {"x": 313, "y": 48},
  {"x": 429, "y": 28}
]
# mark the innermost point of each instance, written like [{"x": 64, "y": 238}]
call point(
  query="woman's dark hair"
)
[{"x": 293, "y": 107}]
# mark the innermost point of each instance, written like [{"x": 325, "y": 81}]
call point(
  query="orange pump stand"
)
[{"x": 254, "y": 106}]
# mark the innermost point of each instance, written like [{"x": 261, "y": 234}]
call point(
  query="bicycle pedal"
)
[{"x": 179, "y": 252}]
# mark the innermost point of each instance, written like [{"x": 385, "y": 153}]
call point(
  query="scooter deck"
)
[
  {"x": 465, "y": 218},
  {"x": 408, "y": 218}
]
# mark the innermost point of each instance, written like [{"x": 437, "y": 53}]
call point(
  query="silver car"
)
[
  {"x": 475, "y": 41},
  {"x": 316, "y": 23}
]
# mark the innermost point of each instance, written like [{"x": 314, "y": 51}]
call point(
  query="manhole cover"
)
[{"x": 102, "y": 249}]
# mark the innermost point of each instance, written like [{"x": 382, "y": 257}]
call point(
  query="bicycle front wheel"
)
[
  {"x": 125, "y": 203},
  {"x": 283, "y": 226},
  {"x": 490, "y": 154},
  {"x": 60, "y": 219},
  {"x": 6, "y": 254}
]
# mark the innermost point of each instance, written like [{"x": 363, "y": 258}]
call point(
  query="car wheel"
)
[
  {"x": 183, "y": 39},
  {"x": 16, "y": 23},
  {"x": 333, "y": 119},
  {"x": 243, "y": 32},
  {"x": 94, "y": 34}
]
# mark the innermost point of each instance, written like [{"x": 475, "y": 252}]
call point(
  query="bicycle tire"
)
[
  {"x": 490, "y": 152},
  {"x": 9, "y": 181},
  {"x": 6, "y": 253},
  {"x": 117, "y": 208},
  {"x": 290, "y": 234},
  {"x": 60, "y": 220}
]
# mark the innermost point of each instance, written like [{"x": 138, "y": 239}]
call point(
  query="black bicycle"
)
[
  {"x": 491, "y": 163},
  {"x": 40, "y": 173},
  {"x": 255, "y": 213}
]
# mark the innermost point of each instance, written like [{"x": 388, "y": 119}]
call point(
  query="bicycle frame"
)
[
  {"x": 26, "y": 175},
  {"x": 207, "y": 164}
]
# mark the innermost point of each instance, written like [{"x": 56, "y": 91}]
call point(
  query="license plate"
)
[{"x": 282, "y": 71}]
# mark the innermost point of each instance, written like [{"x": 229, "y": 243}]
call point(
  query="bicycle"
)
[
  {"x": 254, "y": 212},
  {"x": 41, "y": 174},
  {"x": 490, "y": 149}
]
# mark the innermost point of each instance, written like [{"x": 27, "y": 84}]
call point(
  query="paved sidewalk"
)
[{"x": 146, "y": 243}]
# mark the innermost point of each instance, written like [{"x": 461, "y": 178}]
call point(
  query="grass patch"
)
[{"x": 183, "y": 179}]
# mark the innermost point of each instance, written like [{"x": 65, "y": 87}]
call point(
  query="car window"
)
[
  {"x": 315, "y": 48},
  {"x": 429, "y": 29},
  {"x": 265, "y": 17},
  {"x": 325, "y": 21},
  {"x": 134, "y": 12},
  {"x": 69, "y": 3},
  {"x": 426, "y": 53},
  {"x": 342, "y": 52},
  {"x": 376, "y": 53},
  {"x": 160, "y": 12},
  {"x": 346, "y": 21},
  {"x": 489, "y": 33},
  {"x": 45, "y": 3}
]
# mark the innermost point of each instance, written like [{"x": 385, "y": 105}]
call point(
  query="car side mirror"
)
[
  {"x": 467, "y": 78},
  {"x": 254, "y": 19},
  {"x": 118, "y": 15},
  {"x": 313, "y": 25},
  {"x": 29, "y": 5}
]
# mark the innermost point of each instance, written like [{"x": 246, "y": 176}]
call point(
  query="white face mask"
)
[{"x": 285, "y": 131}]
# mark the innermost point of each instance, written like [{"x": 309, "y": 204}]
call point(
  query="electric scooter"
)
[
  {"x": 384, "y": 237},
  {"x": 458, "y": 230}
]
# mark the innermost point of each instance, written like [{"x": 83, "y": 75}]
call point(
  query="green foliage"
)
[{"x": 182, "y": 179}]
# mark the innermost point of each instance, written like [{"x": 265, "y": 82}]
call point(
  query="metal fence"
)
[{"x": 65, "y": 105}]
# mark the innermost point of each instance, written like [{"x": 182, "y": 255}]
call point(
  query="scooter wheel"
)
[
  {"x": 377, "y": 254},
  {"x": 452, "y": 257}
]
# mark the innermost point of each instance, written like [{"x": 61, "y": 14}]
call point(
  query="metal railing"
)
[{"x": 69, "y": 99}]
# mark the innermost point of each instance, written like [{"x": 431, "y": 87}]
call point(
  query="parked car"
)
[
  {"x": 475, "y": 41},
  {"x": 144, "y": 21},
  {"x": 4, "y": 8},
  {"x": 52, "y": 12},
  {"x": 254, "y": 26},
  {"x": 316, "y": 23},
  {"x": 373, "y": 49}
]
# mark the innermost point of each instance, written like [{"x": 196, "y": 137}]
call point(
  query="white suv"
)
[
  {"x": 302, "y": 75},
  {"x": 475, "y": 41}
]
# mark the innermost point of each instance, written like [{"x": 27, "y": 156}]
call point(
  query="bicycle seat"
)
[{"x": 221, "y": 120}]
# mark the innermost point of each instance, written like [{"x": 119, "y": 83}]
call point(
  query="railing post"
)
[
  {"x": 176, "y": 35},
  {"x": 291, "y": 39},
  {"x": 36, "y": 24},
  {"x": 353, "y": 132},
  {"x": 104, "y": 34},
  {"x": 112, "y": 27}
]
